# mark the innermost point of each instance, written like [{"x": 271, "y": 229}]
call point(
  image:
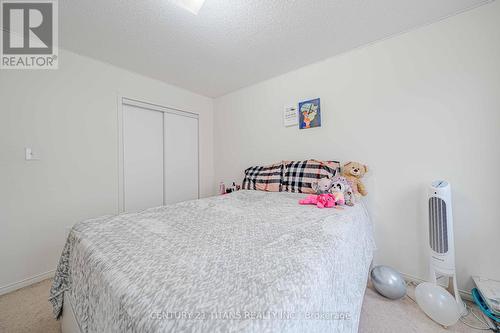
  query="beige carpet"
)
[
  {"x": 27, "y": 310},
  {"x": 380, "y": 314}
]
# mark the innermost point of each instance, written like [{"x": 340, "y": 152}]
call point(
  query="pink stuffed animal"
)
[{"x": 326, "y": 200}]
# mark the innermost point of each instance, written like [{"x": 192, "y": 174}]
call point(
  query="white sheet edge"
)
[{"x": 69, "y": 324}]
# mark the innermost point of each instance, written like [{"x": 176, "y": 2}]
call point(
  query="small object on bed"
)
[
  {"x": 325, "y": 200},
  {"x": 339, "y": 198},
  {"x": 233, "y": 188},
  {"x": 354, "y": 171},
  {"x": 322, "y": 185},
  {"x": 388, "y": 282},
  {"x": 222, "y": 188},
  {"x": 342, "y": 185}
]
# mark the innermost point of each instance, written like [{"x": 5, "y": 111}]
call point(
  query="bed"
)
[{"x": 250, "y": 261}]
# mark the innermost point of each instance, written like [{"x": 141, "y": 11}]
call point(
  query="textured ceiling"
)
[{"x": 231, "y": 44}]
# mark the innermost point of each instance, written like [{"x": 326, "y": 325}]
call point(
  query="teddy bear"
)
[{"x": 354, "y": 171}]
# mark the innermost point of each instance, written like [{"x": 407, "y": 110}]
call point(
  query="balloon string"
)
[
  {"x": 411, "y": 298},
  {"x": 410, "y": 283}
]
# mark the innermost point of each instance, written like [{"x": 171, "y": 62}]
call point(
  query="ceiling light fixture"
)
[{"x": 193, "y": 6}]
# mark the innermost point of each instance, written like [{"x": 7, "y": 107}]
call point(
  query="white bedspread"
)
[{"x": 246, "y": 262}]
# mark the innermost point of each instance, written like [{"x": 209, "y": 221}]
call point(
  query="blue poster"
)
[{"x": 309, "y": 114}]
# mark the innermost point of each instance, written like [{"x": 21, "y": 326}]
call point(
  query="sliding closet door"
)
[
  {"x": 142, "y": 158},
  {"x": 181, "y": 158}
]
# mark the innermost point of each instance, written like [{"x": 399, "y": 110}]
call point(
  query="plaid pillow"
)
[
  {"x": 299, "y": 175},
  {"x": 264, "y": 178}
]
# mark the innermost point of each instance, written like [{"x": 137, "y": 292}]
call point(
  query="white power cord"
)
[{"x": 469, "y": 311}]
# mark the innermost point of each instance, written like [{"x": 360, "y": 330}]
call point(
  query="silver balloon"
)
[{"x": 388, "y": 282}]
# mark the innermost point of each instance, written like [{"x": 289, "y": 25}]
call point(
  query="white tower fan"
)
[{"x": 441, "y": 241}]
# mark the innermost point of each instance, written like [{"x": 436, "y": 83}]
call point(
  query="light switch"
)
[{"x": 30, "y": 156}]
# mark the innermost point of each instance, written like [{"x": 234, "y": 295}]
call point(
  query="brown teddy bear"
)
[{"x": 354, "y": 171}]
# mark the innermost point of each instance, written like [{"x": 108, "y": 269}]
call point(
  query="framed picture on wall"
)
[
  {"x": 309, "y": 114},
  {"x": 290, "y": 116}
]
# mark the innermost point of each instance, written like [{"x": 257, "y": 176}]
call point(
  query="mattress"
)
[{"x": 249, "y": 261}]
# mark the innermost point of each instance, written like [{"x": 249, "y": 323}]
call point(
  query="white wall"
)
[
  {"x": 420, "y": 106},
  {"x": 69, "y": 117}
]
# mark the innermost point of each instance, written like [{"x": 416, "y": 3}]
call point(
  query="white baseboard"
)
[
  {"x": 26, "y": 282},
  {"x": 409, "y": 278}
]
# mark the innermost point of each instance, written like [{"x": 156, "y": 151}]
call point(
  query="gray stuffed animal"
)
[{"x": 322, "y": 186}]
